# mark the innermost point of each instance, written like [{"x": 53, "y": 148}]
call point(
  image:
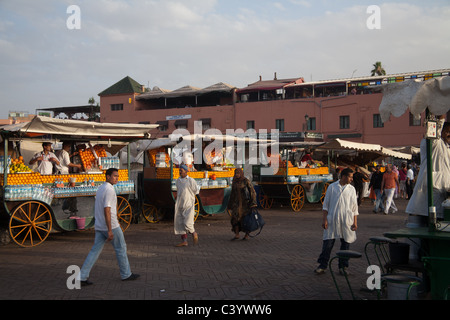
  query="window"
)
[
  {"x": 279, "y": 124},
  {"x": 311, "y": 124},
  {"x": 377, "y": 123},
  {"x": 206, "y": 123},
  {"x": 251, "y": 124},
  {"x": 116, "y": 107},
  {"x": 412, "y": 121},
  {"x": 344, "y": 122},
  {"x": 163, "y": 125}
]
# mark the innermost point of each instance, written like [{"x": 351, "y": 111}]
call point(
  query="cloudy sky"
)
[{"x": 173, "y": 43}]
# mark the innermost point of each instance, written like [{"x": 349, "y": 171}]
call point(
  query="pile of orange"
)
[
  {"x": 23, "y": 178},
  {"x": 123, "y": 175},
  {"x": 17, "y": 165},
  {"x": 87, "y": 156}
]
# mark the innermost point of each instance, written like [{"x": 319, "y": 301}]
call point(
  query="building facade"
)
[{"x": 342, "y": 108}]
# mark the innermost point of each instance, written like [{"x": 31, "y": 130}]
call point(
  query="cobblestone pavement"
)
[{"x": 276, "y": 265}]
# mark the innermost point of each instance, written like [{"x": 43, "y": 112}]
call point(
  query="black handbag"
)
[{"x": 252, "y": 222}]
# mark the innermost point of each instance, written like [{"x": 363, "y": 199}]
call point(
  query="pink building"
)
[{"x": 343, "y": 108}]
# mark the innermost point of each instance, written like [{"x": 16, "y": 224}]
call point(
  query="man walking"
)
[
  {"x": 340, "y": 211},
  {"x": 375, "y": 183},
  {"x": 107, "y": 228},
  {"x": 388, "y": 185},
  {"x": 187, "y": 188}
]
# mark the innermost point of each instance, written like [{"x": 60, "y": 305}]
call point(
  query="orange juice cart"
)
[
  {"x": 289, "y": 183},
  {"x": 159, "y": 182},
  {"x": 35, "y": 204}
]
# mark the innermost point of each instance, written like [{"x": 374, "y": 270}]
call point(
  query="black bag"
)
[{"x": 252, "y": 222}]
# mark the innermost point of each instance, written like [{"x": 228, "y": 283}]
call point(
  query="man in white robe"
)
[
  {"x": 187, "y": 188},
  {"x": 440, "y": 156},
  {"x": 340, "y": 211}
]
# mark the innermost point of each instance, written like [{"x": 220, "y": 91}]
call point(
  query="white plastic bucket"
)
[{"x": 399, "y": 291}]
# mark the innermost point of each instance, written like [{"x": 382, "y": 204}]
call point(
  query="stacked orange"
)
[
  {"x": 23, "y": 178},
  {"x": 123, "y": 175},
  {"x": 87, "y": 156}
]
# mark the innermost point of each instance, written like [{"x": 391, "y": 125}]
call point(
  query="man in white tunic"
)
[
  {"x": 340, "y": 209},
  {"x": 440, "y": 156},
  {"x": 187, "y": 188}
]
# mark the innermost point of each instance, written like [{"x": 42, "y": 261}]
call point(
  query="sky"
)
[{"x": 53, "y": 56}]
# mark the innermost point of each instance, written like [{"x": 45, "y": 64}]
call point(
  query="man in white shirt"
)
[
  {"x": 64, "y": 159},
  {"x": 340, "y": 211},
  {"x": 45, "y": 159},
  {"x": 409, "y": 181},
  {"x": 107, "y": 228}
]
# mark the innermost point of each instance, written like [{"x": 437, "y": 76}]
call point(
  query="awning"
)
[
  {"x": 206, "y": 121},
  {"x": 395, "y": 154},
  {"x": 41, "y": 126},
  {"x": 181, "y": 122},
  {"x": 163, "y": 123},
  {"x": 343, "y": 144},
  {"x": 337, "y": 144}
]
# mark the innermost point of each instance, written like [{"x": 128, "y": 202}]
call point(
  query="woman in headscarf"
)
[{"x": 242, "y": 200}]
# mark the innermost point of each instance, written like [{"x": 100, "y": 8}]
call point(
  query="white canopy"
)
[
  {"x": 433, "y": 94},
  {"x": 45, "y": 125},
  {"x": 343, "y": 144},
  {"x": 337, "y": 144}
]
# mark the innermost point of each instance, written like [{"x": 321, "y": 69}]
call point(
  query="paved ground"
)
[{"x": 276, "y": 265}]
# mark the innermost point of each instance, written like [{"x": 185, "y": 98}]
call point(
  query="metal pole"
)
[{"x": 431, "y": 215}]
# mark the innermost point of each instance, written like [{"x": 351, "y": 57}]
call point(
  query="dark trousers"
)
[
  {"x": 324, "y": 257},
  {"x": 409, "y": 188}
]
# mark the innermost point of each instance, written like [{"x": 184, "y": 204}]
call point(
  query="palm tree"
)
[{"x": 378, "y": 69}]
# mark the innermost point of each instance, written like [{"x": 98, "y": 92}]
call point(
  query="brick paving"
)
[{"x": 276, "y": 265}]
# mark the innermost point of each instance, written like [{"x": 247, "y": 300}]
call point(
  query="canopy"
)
[
  {"x": 376, "y": 149},
  {"x": 343, "y": 144},
  {"x": 40, "y": 126},
  {"x": 416, "y": 95}
]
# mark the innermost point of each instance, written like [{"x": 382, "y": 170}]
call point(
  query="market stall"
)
[
  {"x": 292, "y": 182},
  {"x": 38, "y": 203},
  {"x": 213, "y": 174}
]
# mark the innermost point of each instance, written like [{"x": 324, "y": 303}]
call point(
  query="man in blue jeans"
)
[
  {"x": 107, "y": 228},
  {"x": 375, "y": 183},
  {"x": 340, "y": 209}
]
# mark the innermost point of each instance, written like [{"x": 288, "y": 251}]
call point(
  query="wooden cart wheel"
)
[
  {"x": 124, "y": 212},
  {"x": 196, "y": 208},
  {"x": 324, "y": 191},
  {"x": 30, "y": 224},
  {"x": 297, "y": 198},
  {"x": 265, "y": 201},
  {"x": 150, "y": 213}
]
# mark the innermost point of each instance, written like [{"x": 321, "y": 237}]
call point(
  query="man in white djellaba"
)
[
  {"x": 440, "y": 156},
  {"x": 187, "y": 188},
  {"x": 340, "y": 211}
]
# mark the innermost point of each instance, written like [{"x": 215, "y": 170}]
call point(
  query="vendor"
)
[
  {"x": 64, "y": 159},
  {"x": 307, "y": 158},
  {"x": 440, "y": 157},
  {"x": 45, "y": 159}
]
